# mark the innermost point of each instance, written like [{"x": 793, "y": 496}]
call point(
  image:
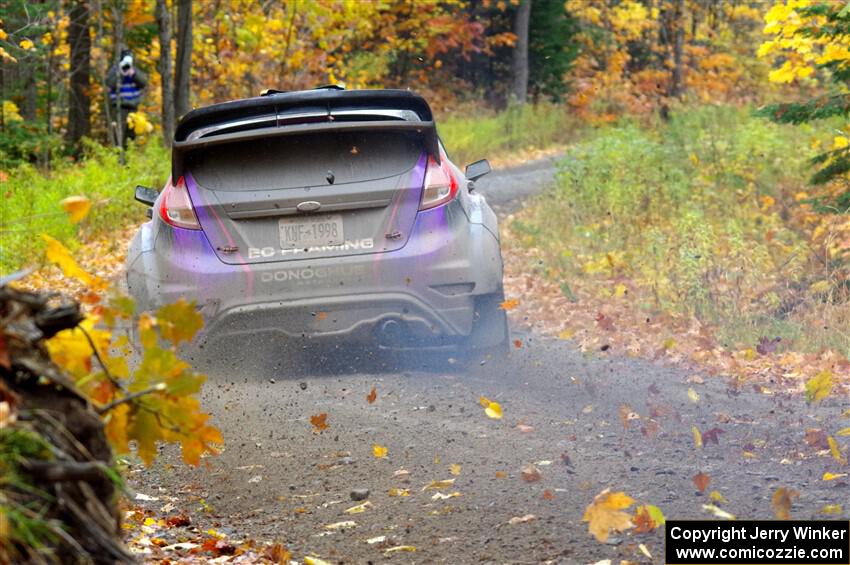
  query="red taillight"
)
[
  {"x": 175, "y": 207},
  {"x": 440, "y": 184}
]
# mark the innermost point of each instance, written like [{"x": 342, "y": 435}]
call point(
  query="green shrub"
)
[
  {"x": 31, "y": 207},
  {"x": 697, "y": 212}
]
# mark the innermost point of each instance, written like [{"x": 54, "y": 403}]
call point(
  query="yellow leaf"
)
[
  {"x": 620, "y": 290},
  {"x": 782, "y": 500},
  {"x": 454, "y": 469},
  {"x": 844, "y": 432},
  {"x": 179, "y": 321},
  {"x": 314, "y": 561},
  {"x": 833, "y": 476},
  {"x": 439, "y": 484},
  {"x": 697, "y": 437},
  {"x": 77, "y": 208},
  {"x": 834, "y": 449},
  {"x": 605, "y": 513},
  {"x": 399, "y": 492},
  {"x": 493, "y": 410},
  {"x": 819, "y": 386},
  {"x": 359, "y": 508},
  {"x": 720, "y": 513},
  {"x": 396, "y": 549},
  {"x": 643, "y": 549},
  {"x": 484, "y": 401},
  {"x": 831, "y": 509},
  {"x": 717, "y": 497},
  {"x": 566, "y": 334},
  {"x": 692, "y": 394},
  {"x": 379, "y": 451},
  {"x": 59, "y": 255}
]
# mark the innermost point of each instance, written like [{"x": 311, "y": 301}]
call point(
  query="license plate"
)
[{"x": 315, "y": 231}]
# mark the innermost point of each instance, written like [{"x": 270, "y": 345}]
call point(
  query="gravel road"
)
[{"x": 279, "y": 480}]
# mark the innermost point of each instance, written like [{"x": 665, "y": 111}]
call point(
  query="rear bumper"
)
[{"x": 429, "y": 287}]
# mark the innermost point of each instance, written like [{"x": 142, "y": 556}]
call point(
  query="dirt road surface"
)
[{"x": 585, "y": 423}]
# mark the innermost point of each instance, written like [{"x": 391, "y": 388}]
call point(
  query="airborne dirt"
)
[{"x": 585, "y": 423}]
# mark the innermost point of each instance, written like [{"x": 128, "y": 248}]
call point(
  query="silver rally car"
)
[{"x": 323, "y": 215}]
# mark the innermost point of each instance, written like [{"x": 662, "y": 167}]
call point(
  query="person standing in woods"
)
[{"x": 126, "y": 84}]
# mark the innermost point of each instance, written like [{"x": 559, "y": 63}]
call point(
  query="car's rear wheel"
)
[{"x": 489, "y": 339}]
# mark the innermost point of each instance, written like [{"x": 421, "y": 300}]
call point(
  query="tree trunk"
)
[
  {"x": 163, "y": 20},
  {"x": 30, "y": 106},
  {"x": 183, "y": 64},
  {"x": 520, "y": 60},
  {"x": 676, "y": 86},
  {"x": 79, "y": 105}
]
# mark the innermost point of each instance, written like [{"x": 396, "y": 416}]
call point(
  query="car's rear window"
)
[{"x": 305, "y": 160}]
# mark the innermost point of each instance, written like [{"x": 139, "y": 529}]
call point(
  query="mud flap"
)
[{"x": 490, "y": 335}]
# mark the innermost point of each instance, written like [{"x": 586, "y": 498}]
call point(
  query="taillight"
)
[
  {"x": 175, "y": 208},
  {"x": 440, "y": 184}
]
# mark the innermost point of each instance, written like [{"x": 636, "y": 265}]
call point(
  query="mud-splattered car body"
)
[{"x": 320, "y": 215}]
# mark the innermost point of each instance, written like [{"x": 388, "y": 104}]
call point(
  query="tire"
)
[{"x": 489, "y": 340}]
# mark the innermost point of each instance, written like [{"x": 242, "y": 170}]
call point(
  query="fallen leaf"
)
[
  {"x": 781, "y": 502},
  {"x": 548, "y": 495},
  {"x": 509, "y": 304},
  {"x": 340, "y": 525},
  {"x": 701, "y": 481},
  {"x": 396, "y": 549},
  {"x": 767, "y": 346},
  {"x": 719, "y": 512},
  {"x": 454, "y": 469},
  {"x": 399, "y": 492},
  {"x": 647, "y": 518},
  {"x": 604, "y": 322},
  {"x": 77, "y": 207},
  {"x": 493, "y": 410},
  {"x": 831, "y": 509},
  {"x": 697, "y": 437},
  {"x": 816, "y": 438},
  {"x": 441, "y": 496},
  {"x": 835, "y": 450},
  {"x": 370, "y": 398},
  {"x": 833, "y": 476},
  {"x": 517, "y": 343},
  {"x": 522, "y": 519},
  {"x": 643, "y": 549},
  {"x": 819, "y": 386},
  {"x": 439, "y": 484},
  {"x": 501, "y": 475},
  {"x": 627, "y": 415},
  {"x": 717, "y": 497},
  {"x": 359, "y": 508},
  {"x": 401, "y": 473},
  {"x": 379, "y": 451},
  {"x": 314, "y": 561},
  {"x": 692, "y": 394},
  {"x": 566, "y": 334},
  {"x": 605, "y": 514},
  {"x": 320, "y": 421},
  {"x": 531, "y": 474},
  {"x": 524, "y": 428},
  {"x": 378, "y": 539},
  {"x": 711, "y": 436},
  {"x": 844, "y": 432}
]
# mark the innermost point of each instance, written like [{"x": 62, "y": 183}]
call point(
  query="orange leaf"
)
[
  {"x": 370, "y": 398},
  {"x": 320, "y": 421},
  {"x": 509, "y": 304},
  {"x": 701, "y": 481},
  {"x": 782, "y": 500}
]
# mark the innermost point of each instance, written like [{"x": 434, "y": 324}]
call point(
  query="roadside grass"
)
[
  {"x": 469, "y": 138},
  {"x": 31, "y": 199},
  {"x": 707, "y": 217}
]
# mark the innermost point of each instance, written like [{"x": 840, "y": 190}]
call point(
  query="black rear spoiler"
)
[{"x": 324, "y": 102}]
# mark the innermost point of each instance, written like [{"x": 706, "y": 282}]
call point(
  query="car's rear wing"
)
[{"x": 292, "y": 113}]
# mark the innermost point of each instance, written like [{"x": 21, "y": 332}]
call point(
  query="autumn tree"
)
[{"x": 813, "y": 42}]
